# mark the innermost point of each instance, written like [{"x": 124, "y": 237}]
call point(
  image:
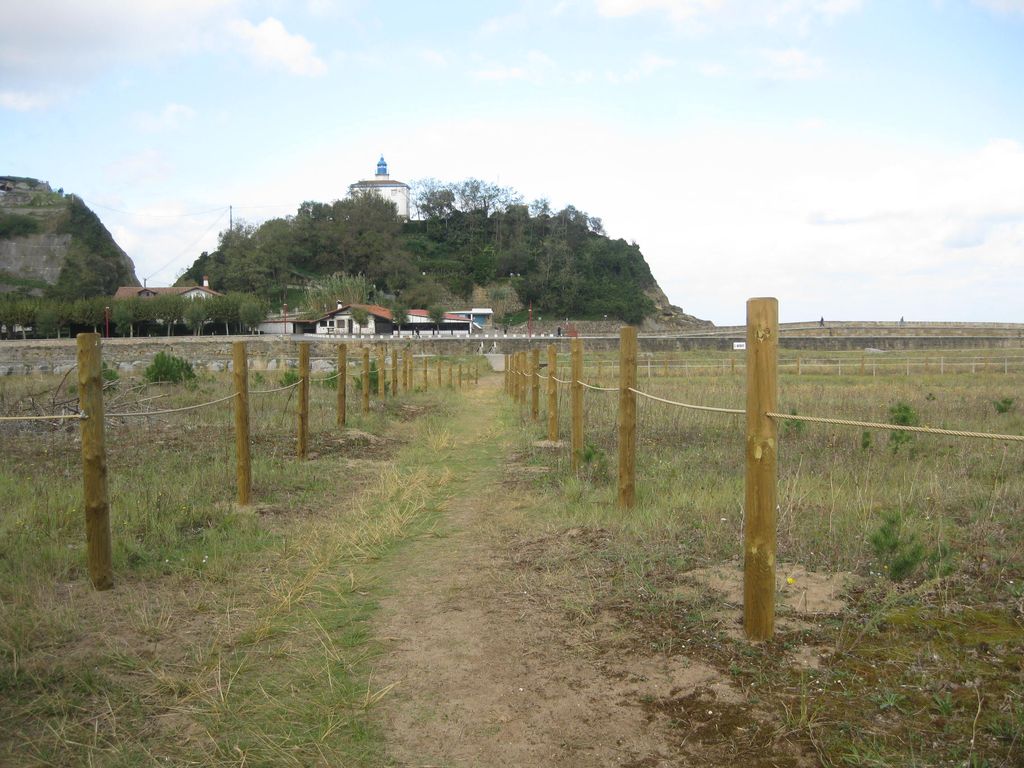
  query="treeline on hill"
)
[
  {"x": 470, "y": 233},
  {"x": 160, "y": 315}
]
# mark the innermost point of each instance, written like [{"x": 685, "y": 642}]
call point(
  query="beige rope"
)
[
  {"x": 270, "y": 391},
  {"x": 330, "y": 378},
  {"x": 561, "y": 381},
  {"x": 175, "y": 410},
  {"x": 78, "y": 416},
  {"x": 687, "y": 405},
  {"x": 895, "y": 427},
  {"x": 597, "y": 389}
]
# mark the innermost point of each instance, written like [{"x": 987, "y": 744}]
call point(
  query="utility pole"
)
[{"x": 231, "y": 218}]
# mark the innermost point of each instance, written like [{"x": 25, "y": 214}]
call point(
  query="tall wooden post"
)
[
  {"x": 381, "y": 381},
  {"x": 342, "y": 383},
  {"x": 552, "y": 393},
  {"x": 394, "y": 372},
  {"x": 762, "y": 469},
  {"x": 94, "y": 463},
  {"x": 535, "y": 383},
  {"x": 524, "y": 378},
  {"x": 627, "y": 417},
  {"x": 406, "y": 369},
  {"x": 451, "y": 375},
  {"x": 460, "y": 375},
  {"x": 476, "y": 374},
  {"x": 426, "y": 374},
  {"x": 366, "y": 380},
  {"x": 576, "y": 406},
  {"x": 303, "y": 440},
  {"x": 243, "y": 464},
  {"x": 439, "y": 373}
]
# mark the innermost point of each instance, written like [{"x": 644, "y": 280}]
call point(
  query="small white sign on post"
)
[{"x": 738, "y": 345}]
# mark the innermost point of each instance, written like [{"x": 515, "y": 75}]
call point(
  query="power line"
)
[
  {"x": 155, "y": 215},
  {"x": 190, "y": 245}
]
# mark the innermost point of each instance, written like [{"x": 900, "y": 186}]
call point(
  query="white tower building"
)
[{"x": 383, "y": 185}]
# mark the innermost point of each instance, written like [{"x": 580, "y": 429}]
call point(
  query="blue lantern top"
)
[{"x": 382, "y": 167}]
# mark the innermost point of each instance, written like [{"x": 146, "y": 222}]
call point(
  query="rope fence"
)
[
  {"x": 92, "y": 416},
  {"x": 761, "y": 367}
]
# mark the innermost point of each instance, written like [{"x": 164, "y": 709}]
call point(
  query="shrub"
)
[
  {"x": 373, "y": 378},
  {"x": 169, "y": 368},
  {"x": 898, "y": 550},
  {"x": 1004, "y": 406},
  {"x": 290, "y": 377},
  {"x": 904, "y": 415}
]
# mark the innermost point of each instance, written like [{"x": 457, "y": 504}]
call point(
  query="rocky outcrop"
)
[{"x": 51, "y": 243}]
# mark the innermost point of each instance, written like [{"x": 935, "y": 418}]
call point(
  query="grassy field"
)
[
  {"x": 925, "y": 663},
  {"x": 242, "y": 637},
  {"x": 234, "y": 636}
]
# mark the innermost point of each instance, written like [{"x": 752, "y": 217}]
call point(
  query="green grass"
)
[
  {"x": 233, "y": 635},
  {"x": 921, "y": 670}
]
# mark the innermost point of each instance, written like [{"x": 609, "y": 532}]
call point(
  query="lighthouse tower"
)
[{"x": 382, "y": 184}]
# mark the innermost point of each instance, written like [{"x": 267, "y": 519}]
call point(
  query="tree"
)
[
  {"x": 47, "y": 320},
  {"x": 361, "y": 317},
  {"x": 436, "y": 316},
  {"x": 196, "y": 314},
  {"x": 251, "y": 312},
  {"x": 123, "y": 315}
]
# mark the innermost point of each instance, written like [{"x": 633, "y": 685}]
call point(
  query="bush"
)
[
  {"x": 169, "y": 368},
  {"x": 904, "y": 415},
  {"x": 1004, "y": 406},
  {"x": 290, "y": 377}
]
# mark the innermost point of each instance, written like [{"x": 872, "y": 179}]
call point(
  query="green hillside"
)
[
  {"x": 53, "y": 245},
  {"x": 471, "y": 235}
]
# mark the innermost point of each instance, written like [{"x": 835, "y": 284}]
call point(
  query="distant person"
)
[
  {"x": 822, "y": 322},
  {"x": 559, "y": 331},
  {"x": 901, "y": 321}
]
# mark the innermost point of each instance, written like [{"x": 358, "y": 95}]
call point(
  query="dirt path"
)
[{"x": 489, "y": 670}]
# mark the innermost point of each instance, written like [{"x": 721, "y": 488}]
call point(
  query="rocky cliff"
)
[{"x": 52, "y": 244}]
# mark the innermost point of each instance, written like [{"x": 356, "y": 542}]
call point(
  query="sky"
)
[{"x": 856, "y": 159}]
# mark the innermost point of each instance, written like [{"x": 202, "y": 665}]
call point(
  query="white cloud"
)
[
  {"x": 171, "y": 118},
  {"x": 1002, "y": 6},
  {"x": 47, "y": 41},
  {"x": 733, "y": 12},
  {"x": 677, "y": 10},
  {"x": 791, "y": 64},
  {"x": 650, "y": 64},
  {"x": 270, "y": 43},
  {"x": 434, "y": 58},
  {"x": 535, "y": 68},
  {"x": 23, "y": 102}
]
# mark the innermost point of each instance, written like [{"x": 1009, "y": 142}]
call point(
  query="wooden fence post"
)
[
  {"x": 365, "y": 389},
  {"x": 576, "y": 409},
  {"x": 243, "y": 464},
  {"x": 476, "y": 374},
  {"x": 94, "y": 463},
  {"x": 303, "y": 399},
  {"x": 451, "y": 375},
  {"x": 535, "y": 383},
  {"x": 762, "y": 469},
  {"x": 406, "y": 369},
  {"x": 381, "y": 381},
  {"x": 524, "y": 381},
  {"x": 552, "y": 393},
  {"x": 439, "y": 373},
  {"x": 342, "y": 383},
  {"x": 627, "y": 417},
  {"x": 460, "y": 375},
  {"x": 426, "y": 376},
  {"x": 394, "y": 372}
]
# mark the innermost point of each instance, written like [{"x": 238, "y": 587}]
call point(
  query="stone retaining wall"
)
[{"x": 213, "y": 353}]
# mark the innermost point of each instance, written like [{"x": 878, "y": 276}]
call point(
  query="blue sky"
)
[{"x": 857, "y": 159}]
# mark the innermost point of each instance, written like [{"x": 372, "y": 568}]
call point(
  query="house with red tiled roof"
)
[
  {"x": 380, "y": 321},
  {"x": 203, "y": 291}
]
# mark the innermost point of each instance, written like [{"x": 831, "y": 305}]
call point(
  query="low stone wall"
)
[{"x": 213, "y": 353}]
